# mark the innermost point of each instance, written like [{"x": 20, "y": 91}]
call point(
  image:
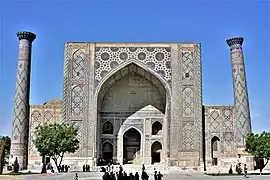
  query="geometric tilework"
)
[
  {"x": 188, "y": 137},
  {"x": 48, "y": 116},
  {"x": 188, "y": 65},
  {"x": 188, "y": 102},
  {"x": 35, "y": 120},
  {"x": 240, "y": 92},
  {"x": 20, "y": 126},
  {"x": 214, "y": 122},
  {"x": 78, "y": 64},
  {"x": 80, "y": 151},
  {"x": 66, "y": 84},
  {"x": 228, "y": 120},
  {"x": 220, "y": 123},
  {"x": 20, "y": 123},
  {"x": 77, "y": 99},
  {"x": 228, "y": 146},
  {"x": 48, "y": 113},
  {"x": 108, "y": 58}
]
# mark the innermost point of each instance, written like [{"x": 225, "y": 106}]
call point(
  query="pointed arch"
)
[
  {"x": 214, "y": 143},
  {"x": 156, "y": 149},
  {"x": 132, "y": 145},
  {"x": 129, "y": 128},
  {"x": 157, "y": 128},
  {"x": 115, "y": 75},
  {"x": 107, "y": 127},
  {"x": 126, "y": 63}
]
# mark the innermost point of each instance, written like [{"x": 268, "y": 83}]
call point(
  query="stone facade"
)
[
  {"x": 99, "y": 77},
  {"x": 49, "y": 112},
  {"x": 142, "y": 103},
  {"x": 220, "y": 135}
]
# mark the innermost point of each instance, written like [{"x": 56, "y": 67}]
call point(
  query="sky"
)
[{"x": 209, "y": 22}]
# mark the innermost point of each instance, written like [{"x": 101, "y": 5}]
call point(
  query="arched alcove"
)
[
  {"x": 131, "y": 145},
  {"x": 156, "y": 128},
  {"x": 107, "y": 128},
  {"x": 124, "y": 91},
  {"x": 107, "y": 151},
  {"x": 156, "y": 149},
  {"x": 214, "y": 150}
]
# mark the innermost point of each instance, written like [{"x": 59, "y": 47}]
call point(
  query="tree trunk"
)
[
  {"x": 2, "y": 163},
  {"x": 44, "y": 169},
  {"x": 263, "y": 166},
  {"x": 61, "y": 159},
  {"x": 55, "y": 162}
]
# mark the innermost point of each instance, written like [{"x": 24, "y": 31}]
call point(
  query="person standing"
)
[{"x": 245, "y": 171}]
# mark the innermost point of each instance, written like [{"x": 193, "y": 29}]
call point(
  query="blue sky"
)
[{"x": 209, "y": 22}]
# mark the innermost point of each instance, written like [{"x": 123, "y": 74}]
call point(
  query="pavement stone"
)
[{"x": 96, "y": 176}]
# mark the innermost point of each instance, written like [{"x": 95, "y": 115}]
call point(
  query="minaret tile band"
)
[
  {"x": 241, "y": 102},
  {"x": 20, "y": 126}
]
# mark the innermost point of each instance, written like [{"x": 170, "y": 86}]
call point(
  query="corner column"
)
[
  {"x": 241, "y": 102},
  {"x": 20, "y": 126}
]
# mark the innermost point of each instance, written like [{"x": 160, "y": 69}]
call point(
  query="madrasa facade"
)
[{"x": 136, "y": 103}]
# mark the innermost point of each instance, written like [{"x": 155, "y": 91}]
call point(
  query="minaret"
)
[
  {"x": 241, "y": 103},
  {"x": 20, "y": 126}
]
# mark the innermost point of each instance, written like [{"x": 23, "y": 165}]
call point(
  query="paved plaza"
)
[{"x": 96, "y": 176}]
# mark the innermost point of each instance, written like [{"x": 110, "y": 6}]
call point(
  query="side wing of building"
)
[{"x": 49, "y": 112}]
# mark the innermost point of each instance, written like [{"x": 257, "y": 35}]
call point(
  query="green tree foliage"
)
[
  {"x": 258, "y": 145},
  {"x": 7, "y": 148},
  {"x": 54, "y": 140}
]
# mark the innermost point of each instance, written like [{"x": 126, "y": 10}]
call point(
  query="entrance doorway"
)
[
  {"x": 132, "y": 146},
  {"x": 107, "y": 150},
  {"x": 156, "y": 152}
]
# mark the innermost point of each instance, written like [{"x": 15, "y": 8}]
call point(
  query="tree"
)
[
  {"x": 54, "y": 140},
  {"x": 7, "y": 148},
  {"x": 258, "y": 145}
]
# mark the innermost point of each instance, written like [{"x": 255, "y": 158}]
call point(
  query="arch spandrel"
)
[
  {"x": 107, "y": 59},
  {"x": 126, "y": 128}
]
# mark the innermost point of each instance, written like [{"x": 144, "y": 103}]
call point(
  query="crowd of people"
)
[
  {"x": 86, "y": 168},
  {"x": 111, "y": 174}
]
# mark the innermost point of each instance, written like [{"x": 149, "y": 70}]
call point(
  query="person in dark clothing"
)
[
  {"x": 83, "y": 168},
  {"x": 66, "y": 168},
  {"x": 137, "y": 177},
  {"x": 120, "y": 168},
  {"x": 143, "y": 167},
  {"x": 131, "y": 177},
  {"x": 159, "y": 176},
  {"x": 245, "y": 171},
  {"x": 87, "y": 168},
  {"x": 155, "y": 176},
  {"x": 63, "y": 168},
  {"x": 103, "y": 169},
  {"x": 52, "y": 170},
  {"x": 144, "y": 176},
  {"x": 105, "y": 176},
  {"x": 125, "y": 177}
]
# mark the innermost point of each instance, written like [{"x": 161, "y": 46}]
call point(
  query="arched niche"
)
[
  {"x": 131, "y": 146},
  {"x": 215, "y": 145},
  {"x": 107, "y": 128},
  {"x": 156, "y": 150},
  {"x": 157, "y": 128},
  {"x": 107, "y": 151}
]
